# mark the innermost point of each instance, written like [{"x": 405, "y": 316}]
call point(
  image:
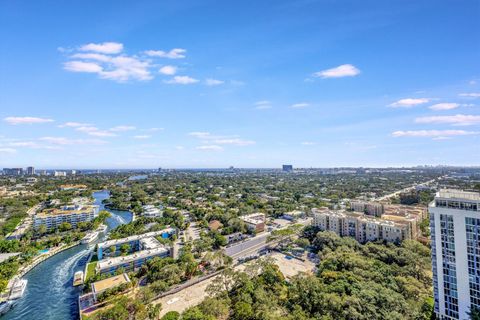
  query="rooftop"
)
[
  {"x": 115, "y": 261},
  {"x": 68, "y": 210},
  {"x": 110, "y": 243},
  {"x": 458, "y": 194},
  {"x": 108, "y": 283}
]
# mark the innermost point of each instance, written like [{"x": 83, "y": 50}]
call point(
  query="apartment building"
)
[
  {"x": 363, "y": 227},
  {"x": 455, "y": 235},
  {"x": 73, "y": 214},
  {"x": 255, "y": 222},
  {"x": 135, "y": 243}
]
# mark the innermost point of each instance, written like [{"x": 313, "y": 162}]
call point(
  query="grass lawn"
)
[{"x": 90, "y": 270}]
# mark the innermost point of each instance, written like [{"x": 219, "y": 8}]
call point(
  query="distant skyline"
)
[{"x": 213, "y": 84}]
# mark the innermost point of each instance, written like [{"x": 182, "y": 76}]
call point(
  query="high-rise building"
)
[
  {"x": 287, "y": 168},
  {"x": 13, "y": 171},
  {"x": 455, "y": 233},
  {"x": 30, "y": 171}
]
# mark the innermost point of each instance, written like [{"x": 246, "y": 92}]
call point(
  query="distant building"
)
[
  {"x": 293, "y": 215},
  {"x": 13, "y": 171},
  {"x": 455, "y": 235},
  {"x": 150, "y": 211},
  {"x": 287, "y": 168},
  {"x": 255, "y": 222},
  {"x": 60, "y": 173},
  {"x": 73, "y": 214},
  {"x": 30, "y": 171}
]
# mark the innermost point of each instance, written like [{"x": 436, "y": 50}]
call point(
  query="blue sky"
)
[{"x": 143, "y": 84}]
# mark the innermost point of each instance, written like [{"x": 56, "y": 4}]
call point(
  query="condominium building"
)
[
  {"x": 30, "y": 171},
  {"x": 131, "y": 262},
  {"x": 363, "y": 227},
  {"x": 151, "y": 211},
  {"x": 135, "y": 243},
  {"x": 255, "y": 222},
  {"x": 455, "y": 234},
  {"x": 73, "y": 214}
]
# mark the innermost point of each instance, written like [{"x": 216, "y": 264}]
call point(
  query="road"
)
[{"x": 396, "y": 193}]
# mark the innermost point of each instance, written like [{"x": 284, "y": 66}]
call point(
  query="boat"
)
[
  {"x": 90, "y": 237},
  {"x": 102, "y": 228},
  {"x": 5, "y": 306},
  {"x": 18, "y": 289},
  {"x": 78, "y": 278}
]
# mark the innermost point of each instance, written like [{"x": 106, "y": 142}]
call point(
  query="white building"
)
[
  {"x": 73, "y": 214},
  {"x": 151, "y": 211},
  {"x": 255, "y": 222},
  {"x": 455, "y": 232}
]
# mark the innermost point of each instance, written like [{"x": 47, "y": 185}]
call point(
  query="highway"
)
[{"x": 396, "y": 193}]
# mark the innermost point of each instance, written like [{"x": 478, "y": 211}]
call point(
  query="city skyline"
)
[{"x": 250, "y": 85}]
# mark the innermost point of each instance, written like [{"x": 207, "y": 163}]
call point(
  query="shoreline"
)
[{"x": 23, "y": 270}]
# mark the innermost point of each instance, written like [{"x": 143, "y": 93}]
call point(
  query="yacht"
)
[
  {"x": 78, "y": 278},
  {"x": 18, "y": 289},
  {"x": 90, "y": 237}
]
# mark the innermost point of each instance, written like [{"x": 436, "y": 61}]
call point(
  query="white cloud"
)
[
  {"x": 93, "y": 131},
  {"x": 119, "y": 68},
  {"x": 444, "y": 106},
  {"x": 67, "y": 141},
  {"x": 181, "y": 80},
  {"x": 209, "y": 148},
  {"x": 234, "y": 141},
  {"x": 213, "y": 82},
  {"x": 168, "y": 70},
  {"x": 208, "y": 138},
  {"x": 199, "y": 134},
  {"x": 176, "y": 53},
  {"x": 300, "y": 105},
  {"x": 308, "y": 143},
  {"x": 105, "y": 47},
  {"x": 26, "y": 120},
  {"x": 81, "y": 66},
  {"x": 179, "y": 147},
  {"x": 409, "y": 102},
  {"x": 344, "y": 70},
  {"x": 262, "y": 105},
  {"x": 470, "y": 95},
  {"x": 8, "y": 150},
  {"x": 458, "y": 119},
  {"x": 73, "y": 125},
  {"x": 432, "y": 133},
  {"x": 153, "y": 129},
  {"x": 122, "y": 128},
  {"x": 143, "y": 136}
]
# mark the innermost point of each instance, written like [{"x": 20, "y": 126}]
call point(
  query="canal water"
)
[{"x": 50, "y": 294}]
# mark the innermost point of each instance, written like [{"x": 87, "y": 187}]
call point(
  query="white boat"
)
[
  {"x": 90, "y": 237},
  {"x": 5, "y": 306},
  {"x": 78, "y": 278},
  {"x": 18, "y": 289},
  {"x": 102, "y": 228}
]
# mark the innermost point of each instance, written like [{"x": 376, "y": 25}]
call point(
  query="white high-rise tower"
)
[{"x": 455, "y": 232}]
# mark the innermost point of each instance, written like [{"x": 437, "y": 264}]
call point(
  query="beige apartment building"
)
[{"x": 365, "y": 228}]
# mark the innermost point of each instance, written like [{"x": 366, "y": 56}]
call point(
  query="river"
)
[{"x": 50, "y": 294}]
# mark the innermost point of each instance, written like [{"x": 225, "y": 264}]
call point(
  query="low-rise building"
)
[
  {"x": 364, "y": 227},
  {"x": 131, "y": 262},
  {"x": 135, "y": 243},
  {"x": 255, "y": 222},
  {"x": 73, "y": 214},
  {"x": 68, "y": 187},
  {"x": 109, "y": 283},
  {"x": 151, "y": 211},
  {"x": 293, "y": 215}
]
